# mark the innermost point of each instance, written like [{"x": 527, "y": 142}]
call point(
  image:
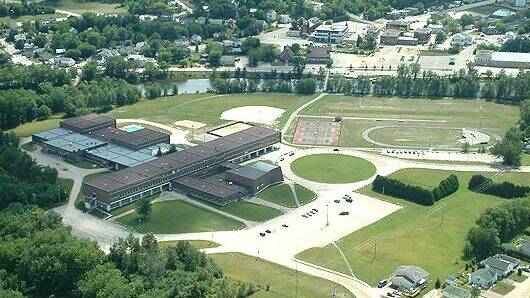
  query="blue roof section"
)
[
  {"x": 53, "y": 133},
  {"x": 73, "y": 142}
]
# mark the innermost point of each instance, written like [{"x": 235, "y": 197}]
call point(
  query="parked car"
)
[
  {"x": 336, "y": 201},
  {"x": 262, "y": 234},
  {"x": 335, "y": 149},
  {"x": 268, "y": 231},
  {"x": 344, "y": 213},
  {"x": 304, "y": 215},
  {"x": 316, "y": 210},
  {"x": 382, "y": 283},
  {"x": 349, "y": 200},
  {"x": 285, "y": 226}
]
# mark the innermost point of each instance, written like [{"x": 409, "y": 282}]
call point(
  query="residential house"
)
[
  {"x": 215, "y": 21},
  {"x": 60, "y": 51},
  {"x": 409, "y": 280},
  {"x": 287, "y": 54},
  {"x": 196, "y": 39},
  {"x": 139, "y": 46},
  {"x": 502, "y": 264},
  {"x": 63, "y": 61},
  {"x": 201, "y": 20},
  {"x": 293, "y": 33},
  {"x": 525, "y": 244},
  {"x": 390, "y": 37},
  {"x": 262, "y": 25},
  {"x": 271, "y": 16},
  {"x": 501, "y": 14},
  {"x": 483, "y": 278},
  {"x": 284, "y": 19},
  {"x": 318, "y": 55},
  {"x": 28, "y": 49},
  {"x": 435, "y": 28},
  {"x": 461, "y": 39},
  {"x": 140, "y": 59},
  {"x": 45, "y": 56},
  {"x": 453, "y": 281},
  {"x": 519, "y": 3},
  {"x": 104, "y": 54},
  {"x": 455, "y": 292},
  {"x": 401, "y": 25},
  {"x": 423, "y": 35},
  {"x": 252, "y": 10}
]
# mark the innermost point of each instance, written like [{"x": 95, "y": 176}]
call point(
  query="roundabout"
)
[{"x": 332, "y": 168}]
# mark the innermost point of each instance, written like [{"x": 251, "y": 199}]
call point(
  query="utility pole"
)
[
  {"x": 443, "y": 214},
  {"x": 327, "y": 215}
]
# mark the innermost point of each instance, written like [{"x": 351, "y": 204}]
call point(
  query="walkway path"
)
[
  {"x": 295, "y": 195},
  {"x": 266, "y": 203},
  {"x": 343, "y": 258},
  {"x": 296, "y": 112}
]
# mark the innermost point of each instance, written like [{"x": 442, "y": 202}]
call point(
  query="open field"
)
[
  {"x": 90, "y": 6},
  {"x": 28, "y": 129},
  {"x": 411, "y": 136},
  {"x": 197, "y": 244},
  {"x": 179, "y": 217},
  {"x": 502, "y": 288},
  {"x": 205, "y": 108},
  {"x": 247, "y": 210},
  {"x": 281, "y": 280},
  {"x": 431, "y": 237},
  {"x": 525, "y": 160},
  {"x": 280, "y": 194},
  {"x": 38, "y": 17},
  {"x": 332, "y": 168},
  {"x": 489, "y": 117}
]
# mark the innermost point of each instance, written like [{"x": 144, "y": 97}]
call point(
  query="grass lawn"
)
[
  {"x": 518, "y": 278},
  {"x": 332, "y": 168},
  {"x": 128, "y": 207},
  {"x": 179, "y": 217},
  {"x": 38, "y": 17},
  {"x": 430, "y": 237},
  {"x": 455, "y": 113},
  {"x": 205, "y": 108},
  {"x": 305, "y": 195},
  {"x": 412, "y": 136},
  {"x": 434, "y": 53},
  {"x": 485, "y": 9},
  {"x": 502, "y": 288},
  {"x": 197, "y": 244},
  {"x": 280, "y": 194},
  {"x": 66, "y": 183},
  {"x": 30, "y": 146},
  {"x": 90, "y": 6},
  {"x": 281, "y": 280},
  {"x": 28, "y": 129},
  {"x": 247, "y": 210}
]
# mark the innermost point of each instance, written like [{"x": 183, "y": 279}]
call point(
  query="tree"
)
[
  {"x": 465, "y": 147},
  {"x": 509, "y": 148},
  {"x": 143, "y": 207},
  {"x": 475, "y": 292},
  {"x": 482, "y": 243},
  {"x": 306, "y": 86},
  {"x": 437, "y": 284}
]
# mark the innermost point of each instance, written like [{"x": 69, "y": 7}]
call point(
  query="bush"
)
[
  {"x": 507, "y": 190},
  {"x": 415, "y": 193}
]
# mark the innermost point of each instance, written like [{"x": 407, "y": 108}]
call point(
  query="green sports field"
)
[
  {"x": 332, "y": 168},
  {"x": 431, "y": 237},
  {"x": 281, "y": 280},
  {"x": 179, "y": 217},
  {"x": 280, "y": 194},
  {"x": 362, "y": 113},
  {"x": 90, "y": 6}
]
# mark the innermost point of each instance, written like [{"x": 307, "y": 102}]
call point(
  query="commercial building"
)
[
  {"x": 423, "y": 35},
  {"x": 401, "y": 25},
  {"x": 127, "y": 185},
  {"x": 503, "y": 59},
  {"x": 256, "y": 177},
  {"x": 330, "y": 33},
  {"x": 87, "y": 123}
]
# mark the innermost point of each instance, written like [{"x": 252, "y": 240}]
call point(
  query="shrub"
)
[{"x": 507, "y": 190}]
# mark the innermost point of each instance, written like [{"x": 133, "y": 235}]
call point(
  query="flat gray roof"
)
[
  {"x": 88, "y": 120},
  {"x": 121, "y": 155},
  {"x": 510, "y": 57},
  {"x": 74, "y": 142}
]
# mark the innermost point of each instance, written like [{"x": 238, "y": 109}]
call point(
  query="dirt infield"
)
[
  {"x": 255, "y": 114},
  {"x": 230, "y": 129},
  {"x": 316, "y": 131}
]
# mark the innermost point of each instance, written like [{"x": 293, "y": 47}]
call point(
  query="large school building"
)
[{"x": 183, "y": 170}]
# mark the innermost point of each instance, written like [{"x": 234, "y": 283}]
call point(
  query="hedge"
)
[
  {"x": 507, "y": 190},
  {"x": 413, "y": 193}
]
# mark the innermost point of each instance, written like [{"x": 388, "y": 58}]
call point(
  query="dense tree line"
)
[
  {"x": 24, "y": 8},
  {"x": 518, "y": 44},
  {"x": 301, "y": 86},
  {"x": 462, "y": 84},
  {"x": 510, "y": 147},
  {"x": 507, "y": 190},
  {"x": 497, "y": 225},
  {"x": 414, "y": 193},
  {"x": 22, "y": 180},
  {"x": 39, "y": 257}
]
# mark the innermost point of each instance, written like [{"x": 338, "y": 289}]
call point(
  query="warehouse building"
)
[
  {"x": 502, "y": 59},
  {"x": 125, "y": 186},
  {"x": 256, "y": 177},
  {"x": 87, "y": 123}
]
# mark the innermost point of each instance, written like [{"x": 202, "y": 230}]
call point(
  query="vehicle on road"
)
[
  {"x": 285, "y": 226},
  {"x": 344, "y": 213},
  {"x": 349, "y": 200},
  {"x": 268, "y": 231},
  {"x": 316, "y": 210},
  {"x": 336, "y": 201},
  {"x": 335, "y": 149}
]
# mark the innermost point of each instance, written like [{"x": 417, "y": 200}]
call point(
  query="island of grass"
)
[
  {"x": 176, "y": 216},
  {"x": 432, "y": 237},
  {"x": 247, "y": 210},
  {"x": 502, "y": 288},
  {"x": 280, "y": 280},
  {"x": 197, "y": 244},
  {"x": 332, "y": 168},
  {"x": 284, "y": 195}
]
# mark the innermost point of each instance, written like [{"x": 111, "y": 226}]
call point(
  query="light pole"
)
[{"x": 327, "y": 215}]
